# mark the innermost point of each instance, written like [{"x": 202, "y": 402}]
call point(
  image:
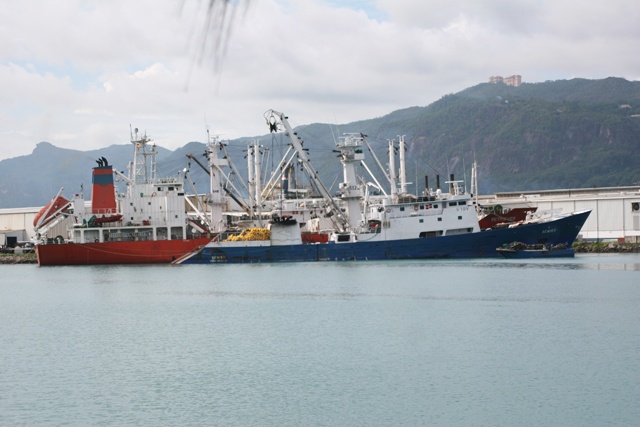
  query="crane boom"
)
[{"x": 334, "y": 211}]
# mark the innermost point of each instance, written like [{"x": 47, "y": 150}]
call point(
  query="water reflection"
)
[
  {"x": 617, "y": 262},
  {"x": 113, "y": 274}
]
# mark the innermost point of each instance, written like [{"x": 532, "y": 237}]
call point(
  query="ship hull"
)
[
  {"x": 481, "y": 244},
  {"x": 126, "y": 252}
]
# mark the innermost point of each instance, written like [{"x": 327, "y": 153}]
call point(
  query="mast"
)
[
  {"x": 257, "y": 159},
  {"x": 216, "y": 198},
  {"x": 251, "y": 182},
  {"x": 403, "y": 168},
  {"x": 351, "y": 153},
  {"x": 392, "y": 169},
  {"x": 474, "y": 180},
  {"x": 138, "y": 172}
]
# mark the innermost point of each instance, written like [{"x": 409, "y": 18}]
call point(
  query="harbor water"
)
[{"x": 399, "y": 343}]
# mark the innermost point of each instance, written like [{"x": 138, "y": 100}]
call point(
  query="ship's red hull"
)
[{"x": 129, "y": 252}]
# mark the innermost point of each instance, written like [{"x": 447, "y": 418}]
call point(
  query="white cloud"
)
[
  {"x": 155, "y": 70},
  {"x": 77, "y": 73}
]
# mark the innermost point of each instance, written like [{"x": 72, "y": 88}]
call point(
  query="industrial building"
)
[{"x": 16, "y": 226}]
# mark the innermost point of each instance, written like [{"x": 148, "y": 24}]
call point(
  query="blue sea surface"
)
[{"x": 399, "y": 343}]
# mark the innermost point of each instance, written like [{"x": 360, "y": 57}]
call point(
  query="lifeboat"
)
[{"x": 49, "y": 210}]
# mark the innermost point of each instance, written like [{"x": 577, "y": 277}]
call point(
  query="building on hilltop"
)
[{"x": 514, "y": 80}]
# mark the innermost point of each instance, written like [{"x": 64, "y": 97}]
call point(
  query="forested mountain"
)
[
  {"x": 561, "y": 134},
  {"x": 558, "y": 134}
]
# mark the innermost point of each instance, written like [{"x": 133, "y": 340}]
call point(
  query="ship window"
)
[
  {"x": 421, "y": 220},
  {"x": 452, "y": 203},
  {"x": 435, "y": 206},
  {"x": 149, "y": 203},
  {"x": 170, "y": 188},
  {"x": 401, "y": 208},
  {"x": 439, "y": 218},
  {"x": 431, "y": 233},
  {"x": 459, "y": 217},
  {"x": 421, "y": 206},
  {"x": 457, "y": 231},
  {"x": 159, "y": 188}
]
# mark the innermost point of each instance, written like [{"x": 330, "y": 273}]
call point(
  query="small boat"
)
[
  {"x": 519, "y": 250},
  {"x": 50, "y": 210},
  {"x": 148, "y": 224}
]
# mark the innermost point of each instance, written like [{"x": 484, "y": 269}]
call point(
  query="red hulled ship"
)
[{"x": 146, "y": 224}]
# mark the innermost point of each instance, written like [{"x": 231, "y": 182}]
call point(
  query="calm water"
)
[{"x": 450, "y": 343}]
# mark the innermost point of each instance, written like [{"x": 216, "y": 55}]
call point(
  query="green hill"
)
[
  {"x": 562, "y": 134},
  {"x": 559, "y": 134}
]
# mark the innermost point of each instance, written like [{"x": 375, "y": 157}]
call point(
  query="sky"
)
[{"x": 80, "y": 73}]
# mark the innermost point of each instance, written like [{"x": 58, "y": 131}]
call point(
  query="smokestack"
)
[
  {"x": 103, "y": 193},
  {"x": 426, "y": 185},
  {"x": 451, "y": 183},
  {"x": 437, "y": 182}
]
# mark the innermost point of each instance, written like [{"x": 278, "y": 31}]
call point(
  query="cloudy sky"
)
[{"x": 78, "y": 73}]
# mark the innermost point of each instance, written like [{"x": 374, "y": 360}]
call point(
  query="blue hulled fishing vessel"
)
[{"x": 357, "y": 225}]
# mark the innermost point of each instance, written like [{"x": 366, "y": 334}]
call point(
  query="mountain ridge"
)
[{"x": 573, "y": 133}]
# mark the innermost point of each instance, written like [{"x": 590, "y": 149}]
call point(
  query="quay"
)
[{"x": 9, "y": 258}]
